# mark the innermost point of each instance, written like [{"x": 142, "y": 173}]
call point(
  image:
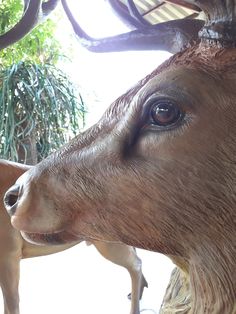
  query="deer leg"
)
[
  {"x": 9, "y": 281},
  {"x": 126, "y": 256}
]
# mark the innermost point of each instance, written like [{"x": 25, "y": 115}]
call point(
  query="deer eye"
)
[{"x": 165, "y": 113}]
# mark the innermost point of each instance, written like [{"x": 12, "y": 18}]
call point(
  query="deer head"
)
[{"x": 158, "y": 171}]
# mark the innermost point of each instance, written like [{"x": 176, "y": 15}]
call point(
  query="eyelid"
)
[
  {"x": 158, "y": 96},
  {"x": 185, "y": 100}
]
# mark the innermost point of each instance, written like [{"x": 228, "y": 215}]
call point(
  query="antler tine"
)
[
  {"x": 26, "y": 3},
  {"x": 34, "y": 13},
  {"x": 26, "y": 23},
  {"x": 49, "y": 6},
  {"x": 135, "y": 13},
  {"x": 121, "y": 10},
  {"x": 169, "y": 36}
]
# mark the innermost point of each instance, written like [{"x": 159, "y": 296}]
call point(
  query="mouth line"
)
[
  {"x": 44, "y": 233},
  {"x": 53, "y": 238},
  {"x": 27, "y": 225}
]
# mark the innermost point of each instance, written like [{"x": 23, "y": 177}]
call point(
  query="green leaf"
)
[{"x": 37, "y": 102}]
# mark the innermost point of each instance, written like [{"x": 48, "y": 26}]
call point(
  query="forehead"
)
[
  {"x": 200, "y": 71},
  {"x": 209, "y": 59},
  {"x": 177, "y": 79},
  {"x": 192, "y": 69}
]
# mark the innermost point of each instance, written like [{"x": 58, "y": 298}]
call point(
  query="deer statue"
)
[{"x": 158, "y": 171}]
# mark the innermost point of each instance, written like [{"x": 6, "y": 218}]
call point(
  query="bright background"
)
[{"x": 79, "y": 280}]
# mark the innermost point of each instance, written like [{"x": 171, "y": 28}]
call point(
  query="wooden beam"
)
[
  {"x": 153, "y": 8},
  {"x": 184, "y": 4}
]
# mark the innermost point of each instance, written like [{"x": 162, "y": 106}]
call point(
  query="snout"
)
[
  {"x": 11, "y": 199},
  {"x": 32, "y": 207}
]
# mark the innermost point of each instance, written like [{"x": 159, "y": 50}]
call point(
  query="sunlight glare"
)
[
  {"x": 97, "y": 18},
  {"x": 105, "y": 75}
]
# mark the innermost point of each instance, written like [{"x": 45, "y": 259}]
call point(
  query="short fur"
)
[{"x": 172, "y": 191}]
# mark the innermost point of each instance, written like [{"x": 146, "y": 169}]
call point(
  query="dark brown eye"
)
[{"x": 165, "y": 113}]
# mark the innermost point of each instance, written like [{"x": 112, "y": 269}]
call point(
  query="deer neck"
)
[{"x": 213, "y": 283}]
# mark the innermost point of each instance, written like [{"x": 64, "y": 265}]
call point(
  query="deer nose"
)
[{"x": 11, "y": 199}]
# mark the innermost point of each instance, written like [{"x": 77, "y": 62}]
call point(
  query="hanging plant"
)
[{"x": 40, "y": 110}]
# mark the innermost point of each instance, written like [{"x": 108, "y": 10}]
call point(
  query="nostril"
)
[{"x": 11, "y": 198}]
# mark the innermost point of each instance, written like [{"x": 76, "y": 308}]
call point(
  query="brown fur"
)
[
  {"x": 13, "y": 248},
  {"x": 171, "y": 191}
]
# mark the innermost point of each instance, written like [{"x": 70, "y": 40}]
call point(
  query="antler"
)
[
  {"x": 169, "y": 36},
  {"x": 135, "y": 13},
  {"x": 48, "y": 7},
  {"x": 34, "y": 12},
  {"x": 121, "y": 10},
  {"x": 221, "y": 20}
]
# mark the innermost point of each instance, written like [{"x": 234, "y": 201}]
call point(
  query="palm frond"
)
[{"x": 39, "y": 104}]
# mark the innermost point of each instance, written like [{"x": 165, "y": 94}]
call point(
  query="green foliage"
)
[
  {"x": 39, "y": 108},
  {"x": 38, "y": 46},
  {"x": 38, "y": 103},
  {"x": 10, "y": 13}
]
